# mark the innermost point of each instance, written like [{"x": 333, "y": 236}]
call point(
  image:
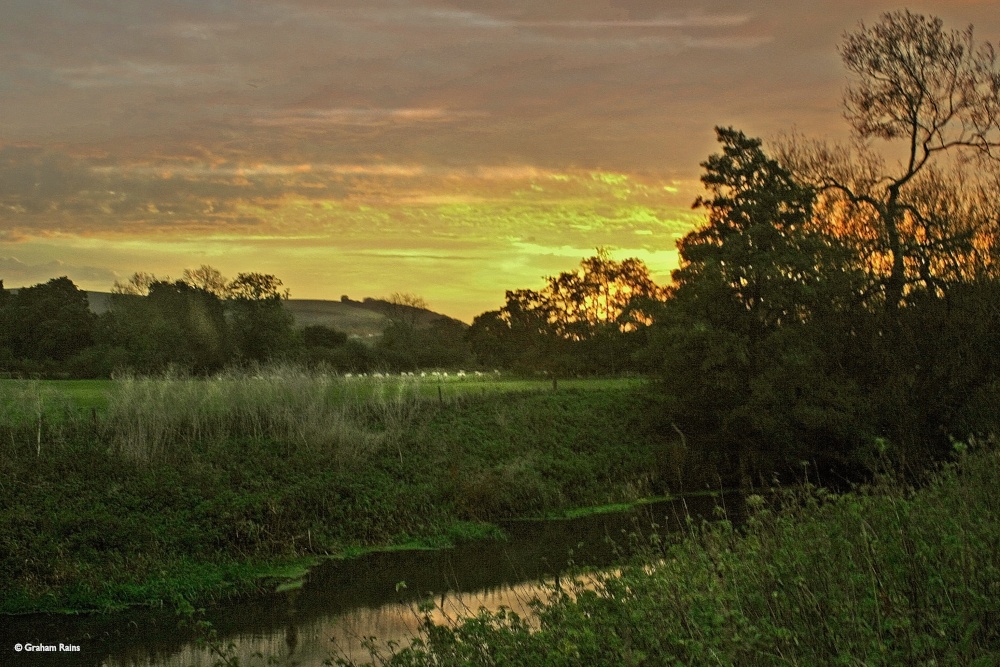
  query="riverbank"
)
[
  {"x": 886, "y": 575},
  {"x": 161, "y": 498}
]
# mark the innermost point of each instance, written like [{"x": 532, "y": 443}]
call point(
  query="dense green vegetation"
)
[
  {"x": 885, "y": 575},
  {"x": 194, "y": 487}
]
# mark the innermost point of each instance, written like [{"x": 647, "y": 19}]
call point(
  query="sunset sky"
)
[{"x": 452, "y": 149}]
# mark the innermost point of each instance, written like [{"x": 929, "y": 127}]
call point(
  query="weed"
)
[{"x": 884, "y": 575}]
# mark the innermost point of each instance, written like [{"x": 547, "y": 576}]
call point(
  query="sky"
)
[{"x": 452, "y": 149}]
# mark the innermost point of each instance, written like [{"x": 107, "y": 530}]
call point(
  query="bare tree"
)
[
  {"x": 207, "y": 278},
  {"x": 138, "y": 284},
  {"x": 934, "y": 96},
  {"x": 259, "y": 287},
  {"x": 405, "y": 308}
]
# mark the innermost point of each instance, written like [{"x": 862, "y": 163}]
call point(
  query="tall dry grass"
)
[
  {"x": 34, "y": 418},
  {"x": 168, "y": 416}
]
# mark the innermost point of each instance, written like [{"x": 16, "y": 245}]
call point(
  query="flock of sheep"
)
[{"x": 442, "y": 375}]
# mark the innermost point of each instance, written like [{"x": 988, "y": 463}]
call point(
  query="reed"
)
[{"x": 170, "y": 416}]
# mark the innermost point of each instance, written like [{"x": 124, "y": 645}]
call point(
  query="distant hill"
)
[{"x": 355, "y": 318}]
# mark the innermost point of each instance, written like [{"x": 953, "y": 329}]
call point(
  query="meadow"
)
[
  {"x": 145, "y": 490},
  {"x": 95, "y": 393},
  {"x": 173, "y": 491}
]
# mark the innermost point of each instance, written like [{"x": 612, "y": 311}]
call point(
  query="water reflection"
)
[
  {"x": 310, "y": 642},
  {"x": 346, "y": 601}
]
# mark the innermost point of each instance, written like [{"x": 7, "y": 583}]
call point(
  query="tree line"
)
[
  {"x": 203, "y": 323},
  {"x": 199, "y": 323}
]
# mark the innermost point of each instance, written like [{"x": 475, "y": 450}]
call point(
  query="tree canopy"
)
[{"x": 584, "y": 321}]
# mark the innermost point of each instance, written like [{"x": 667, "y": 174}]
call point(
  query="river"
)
[{"x": 344, "y": 601}]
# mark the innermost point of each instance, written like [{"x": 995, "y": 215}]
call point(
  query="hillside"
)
[{"x": 356, "y": 318}]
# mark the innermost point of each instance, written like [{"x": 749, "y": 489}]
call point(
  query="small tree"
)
[
  {"x": 261, "y": 325},
  {"x": 138, "y": 284}
]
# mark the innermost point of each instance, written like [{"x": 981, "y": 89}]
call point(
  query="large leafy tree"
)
[
  {"x": 199, "y": 323},
  {"x": 767, "y": 264},
  {"x": 740, "y": 335},
  {"x": 261, "y": 325},
  {"x": 172, "y": 323},
  {"x": 587, "y": 320},
  {"x": 50, "y": 321},
  {"x": 518, "y": 336},
  {"x": 915, "y": 195},
  {"x": 602, "y": 294}
]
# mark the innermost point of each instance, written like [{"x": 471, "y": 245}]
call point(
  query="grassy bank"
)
[
  {"x": 887, "y": 575},
  {"x": 202, "y": 488}
]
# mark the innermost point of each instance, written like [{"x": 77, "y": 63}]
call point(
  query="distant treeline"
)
[{"x": 201, "y": 324}]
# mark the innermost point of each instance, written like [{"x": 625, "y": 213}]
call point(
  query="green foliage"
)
[
  {"x": 414, "y": 338},
  {"x": 743, "y": 338},
  {"x": 49, "y": 322},
  {"x": 884, "y": 575},
  {"x": 260, "y": 324},
  {"x": 191, "y": 486},
  {"x": 772, "y": 349},
  {"x": 761, "y": 264},
  {"x": 175, "y": 324},
  {"x": 200, "y": 324},
  {"x": 317, "y": 335}
]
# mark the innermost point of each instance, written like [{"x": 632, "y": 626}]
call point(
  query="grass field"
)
[
  {"x": 82, "y": 394},
  {"x": 88, "y": 394},
  {"x": 138, "y": 490}
]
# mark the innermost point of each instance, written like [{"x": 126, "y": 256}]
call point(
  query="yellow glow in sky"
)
[{"x": 449, "y": 149}]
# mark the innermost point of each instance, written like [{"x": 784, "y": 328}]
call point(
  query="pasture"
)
[
  {"x": 81, "y": 394},
  {"x": 56, "y": 395}
]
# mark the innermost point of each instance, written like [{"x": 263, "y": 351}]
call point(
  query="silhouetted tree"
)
[
  {"x": 208, "y": 279},
  {"x": 934, "y": 96},
  {"x": 582, "y": 321},
  {"x": 260, "y": 324},
  {"x": 491, "y": 342},
  {"x": 6, "y": 329},
  {"x": 50, "y": 321},
  {"x": 744, "y": 371},
  {"x": 137, "y": 284},
  {"x": 922, "y": 218},
  {"x": 173, "y": 324}
]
